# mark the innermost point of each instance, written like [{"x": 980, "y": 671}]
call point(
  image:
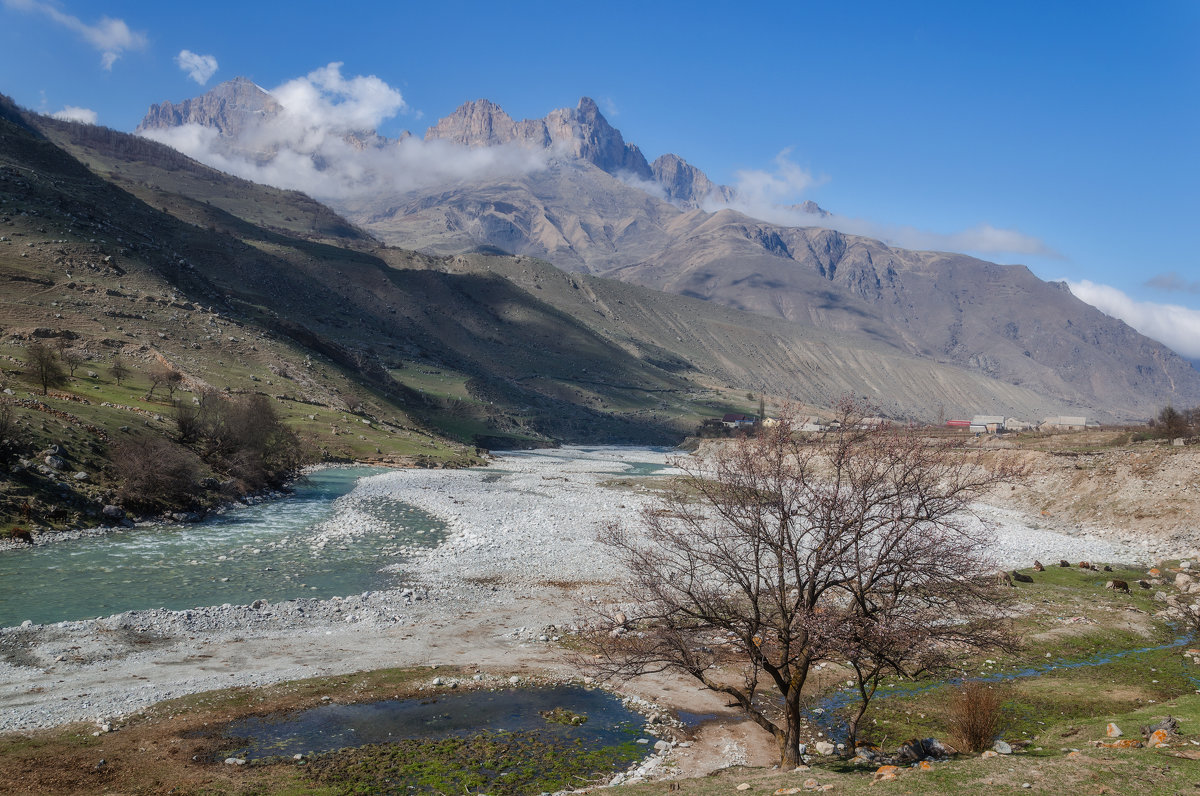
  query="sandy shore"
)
[{"x": 520, "y": 556}]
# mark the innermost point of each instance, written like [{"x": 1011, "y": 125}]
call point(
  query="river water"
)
[{"x": 309, "y": 544}]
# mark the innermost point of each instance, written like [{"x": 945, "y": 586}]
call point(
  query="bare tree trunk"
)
[
  {"x": 789, "y": 740},
  {"x": 866, "y": 690}
]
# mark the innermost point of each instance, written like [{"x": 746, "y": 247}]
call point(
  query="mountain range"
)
[{"x": 599, "y": 207}]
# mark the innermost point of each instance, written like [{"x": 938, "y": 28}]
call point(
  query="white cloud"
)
[
  {"x": 316, "y": 144},
  {"x": 198, "y": 67},
  {"x": 775, "y": 196},
  {"x": 1174, "y": 326},
  {"x": 71, "y": 113},
  {"x": 112, "y": 37}
]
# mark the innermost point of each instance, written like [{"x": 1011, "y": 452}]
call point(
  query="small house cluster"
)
[{"x": 995, "y": 424}]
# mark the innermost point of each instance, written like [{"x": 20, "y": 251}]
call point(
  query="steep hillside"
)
[{"x": 378, "y": 319}]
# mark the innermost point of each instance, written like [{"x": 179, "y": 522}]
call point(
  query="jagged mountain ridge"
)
[{"x": 1000, "y": 321}]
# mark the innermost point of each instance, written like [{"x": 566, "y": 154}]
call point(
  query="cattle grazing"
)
[
  {"x": 1003, "y": 579},
  {"x": 1037, "y": 567},
  {"x": 1020, "y": 578},
  {"x": 1117, "y": 585},
  {"x": 1064, "y": 563}
]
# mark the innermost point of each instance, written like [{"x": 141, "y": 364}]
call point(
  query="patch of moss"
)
[{"x": 502, "y": 764}]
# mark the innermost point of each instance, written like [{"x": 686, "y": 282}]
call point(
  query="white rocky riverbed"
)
[{"x": 493, "y": 594}]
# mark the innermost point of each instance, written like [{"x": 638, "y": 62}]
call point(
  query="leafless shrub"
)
[
  {"x": 154, "y": 473},
  {"x": 973, "y": 716}
]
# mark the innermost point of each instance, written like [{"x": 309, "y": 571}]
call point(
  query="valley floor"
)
[{"x": 519, "y": 566}]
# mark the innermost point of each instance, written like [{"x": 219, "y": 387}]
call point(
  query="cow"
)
[
  {"x": 1037, "y": 567},
  {"x": 1019, "y": 578},
  {"x": 1064, "y": 563},
  {"x": 1003, "y": 579},
  {"x": 1117, "y": 585}
]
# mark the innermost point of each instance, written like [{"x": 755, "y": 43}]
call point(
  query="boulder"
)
[
  {"x": 1182, "y": 580},
  {"x": 1113, "y": 731},
  {"x": 1002, "y": 747},
  {"x": 111, "y": 512},
  {"x": 823, "y": 747},
  {"x": 55, "y": 462},
  {"x": 81, "y": 476}
]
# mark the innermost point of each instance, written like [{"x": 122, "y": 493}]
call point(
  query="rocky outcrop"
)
[
  {"x": 686, "y": 185},
  {"x": 232, "y": 108}
]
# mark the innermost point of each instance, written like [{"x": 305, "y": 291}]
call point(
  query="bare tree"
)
[
  {"x": 119, "y": 370},
  {"x": 45, "y": 367},
  {"x": 163, "y": 375},
  {"x": 779, "y": 551},
  {"x": 72, "y": 359}
]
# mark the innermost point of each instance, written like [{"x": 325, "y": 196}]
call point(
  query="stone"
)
[
  {"x": 925, "y": 765},
  {"x": 1158, "y": 738},
  {"x": 1113, "y": 731},
  {"x": 1002, "y": 747},
  {"x": 113, "y": 512},
  {"x": 55, "y": 462},
  {"x": 823, "y": 747},
  {"x": 662, "y": 746},
  {"x": 788, "y": 791},
  {"x": 1182, "y": 580},
  {"x": 743, "y": 786},
  {"x": 990, "y": 753},
  {"x": 811, "y": 783},
  {"x": 235, "y": 761},
  {"x": 438, "y": 681},
  {"x": 1120, "y": 743},
  {"x": 81, "y": 476}
]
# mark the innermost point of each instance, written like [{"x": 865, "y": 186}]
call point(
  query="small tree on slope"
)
[{"x": 779, "y": 551}]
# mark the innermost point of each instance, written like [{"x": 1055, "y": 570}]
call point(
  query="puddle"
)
[{"x": 462, "y": 714}]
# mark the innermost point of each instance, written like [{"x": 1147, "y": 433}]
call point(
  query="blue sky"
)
[{"x": 1069, "y": 130}]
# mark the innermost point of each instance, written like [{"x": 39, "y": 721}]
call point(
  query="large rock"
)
[
  {"x": 823, "y": 748},
  {"x": 111, "y": 512}
]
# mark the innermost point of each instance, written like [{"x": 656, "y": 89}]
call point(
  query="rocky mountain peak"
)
[
  {"x": 478, "y": 123},
  {"x": 580, "y": 132},
  {"x": 231, "y": 107}
]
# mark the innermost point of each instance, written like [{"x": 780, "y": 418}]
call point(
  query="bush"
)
[
  {"x": 155, "y": 474},
  {"x": 243, "y": 438},
  {"x": 974, "y": 716}
]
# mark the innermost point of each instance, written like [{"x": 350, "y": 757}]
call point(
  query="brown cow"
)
[
  {"x": 1019, "y": 578},
  {"x": 1064, "y": 563},
  {"x": 1117, "y": 585},
  {"x": 1003, "y": 579},
  {"x": 1037, "y": 567}
]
